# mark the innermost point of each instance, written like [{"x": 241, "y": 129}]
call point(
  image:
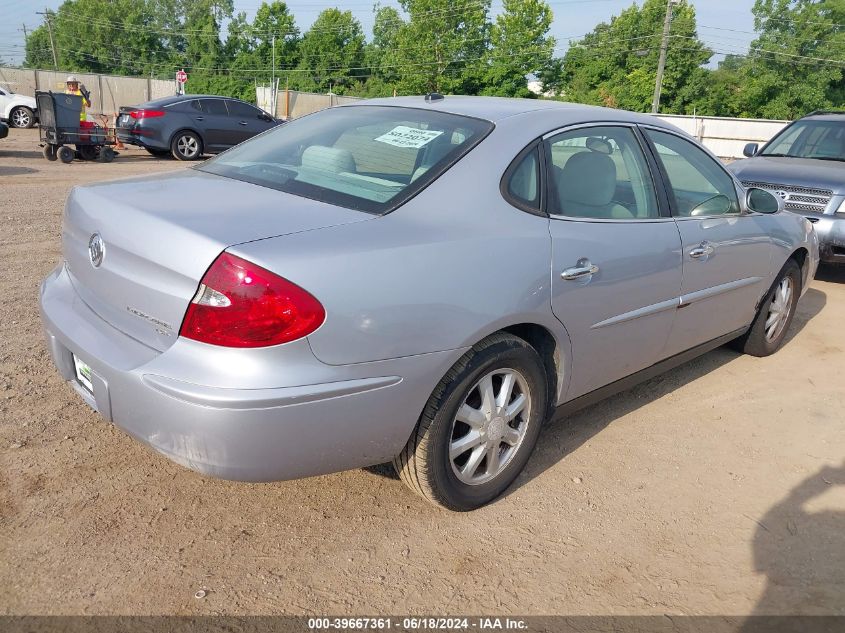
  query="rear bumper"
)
[
  {"x": 830, "y": 230},
  {"x": 315, "y": 419},
  {"x": 126, "y": 136}
]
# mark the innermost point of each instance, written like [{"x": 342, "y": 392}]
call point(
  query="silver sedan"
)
[{"x": 418, "y": 280}]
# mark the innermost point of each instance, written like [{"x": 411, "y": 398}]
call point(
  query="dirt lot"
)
[{"x": 718, "y": 488}]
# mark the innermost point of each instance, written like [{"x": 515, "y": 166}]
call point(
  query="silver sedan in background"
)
[{"x": 418, "y": 280}]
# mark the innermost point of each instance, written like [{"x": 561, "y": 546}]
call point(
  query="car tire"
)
[
  {"x": 65, "y": 154},
  {"x": 186, "y": 146},
  {"x": 21, "y": 117},
  {"x": 775, "y": 315},
  {"x": 447, "y": 459},
  {"x": 49, "y": 152}
]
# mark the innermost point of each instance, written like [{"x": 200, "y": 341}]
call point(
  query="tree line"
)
[{"x": 460, "y": 47}]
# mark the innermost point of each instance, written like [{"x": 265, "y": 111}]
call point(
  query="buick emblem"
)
[
  {"x": 96, "y": 250},
  {"x": 783, "y": 195}
]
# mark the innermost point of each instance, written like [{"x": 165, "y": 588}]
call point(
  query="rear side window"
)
[
  {"x": 522, "y": 181},
  {"x": 370, "y": 158},
  {"x": 213, "y": 106}
]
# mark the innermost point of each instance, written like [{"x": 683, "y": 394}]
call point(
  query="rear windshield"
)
[{"x": 369, "y": 158}]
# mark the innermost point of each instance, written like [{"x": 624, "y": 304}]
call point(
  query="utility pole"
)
[
  {"x": 48, "y": 19},
  {"x": 661, "y": 64},
  {"x": 273, "y": 77}
]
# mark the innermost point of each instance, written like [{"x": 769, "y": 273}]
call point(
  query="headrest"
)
[
  {"x": 331, "y": 159},
  {"x": 588, "y": 178}
]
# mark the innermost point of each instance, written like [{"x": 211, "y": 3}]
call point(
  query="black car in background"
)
[{"x": 188, "y": 126}]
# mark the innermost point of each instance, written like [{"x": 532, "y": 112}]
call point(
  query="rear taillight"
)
[
  {"x": 239, "y": 304},
  {"x": 146, "y": 114}
]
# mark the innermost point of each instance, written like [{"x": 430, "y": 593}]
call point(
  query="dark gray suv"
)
[
  {"x": 188, "y": 126},
  {"x": 805, "y": 165}
]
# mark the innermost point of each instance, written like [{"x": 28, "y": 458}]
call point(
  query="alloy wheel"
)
[
  {"x": 187, "y": 146},
  {"x": 21, "y": 118},
  {"x": 779, "y": 309},
  {"x": 490, "y": 426}
]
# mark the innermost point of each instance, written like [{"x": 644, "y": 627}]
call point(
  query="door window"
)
[
  {"x": 698, "y": 185},
  {"x": 214, "y": 106},
  {"x": 242, "y": 110},
  {"x": 599, "y": 172}
]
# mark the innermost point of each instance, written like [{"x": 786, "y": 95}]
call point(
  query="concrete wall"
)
[
  {"x": 726, "y": 137},
  {"x": 291, "y": 104},
  {"x": 108, "y": 92},
  {"x": 18, "y": 80}
]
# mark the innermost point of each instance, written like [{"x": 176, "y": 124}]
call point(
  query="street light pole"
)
[{"x": 661, "y": 64}]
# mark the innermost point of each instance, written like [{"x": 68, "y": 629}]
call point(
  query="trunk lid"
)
[
  {"x": 160, "y": 233},
  {"x": 124, "y": 118}
]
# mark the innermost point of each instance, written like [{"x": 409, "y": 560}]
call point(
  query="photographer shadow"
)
[{"x": 800, "y": 546}]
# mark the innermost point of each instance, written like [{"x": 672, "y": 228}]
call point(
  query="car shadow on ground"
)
[
  {"x": 799, "y": 545},
  {"x": 20, "y": 153},
  {"x": 16, "y": 171},
  {"x": 562, "y": 436},
  {"x": 831, "y": 272}
]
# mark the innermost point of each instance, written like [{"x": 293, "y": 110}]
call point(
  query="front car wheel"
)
[
  {"x": 768, "y": 331},
  {"x": 479, "y": 426}
]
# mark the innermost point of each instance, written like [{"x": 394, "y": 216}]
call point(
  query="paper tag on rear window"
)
[{"x": 404, "y": 136}]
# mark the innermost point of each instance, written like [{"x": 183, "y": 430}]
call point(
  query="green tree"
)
[
  {"x": 331, "y": 53},
  {"x": 787, "y": 72},
  {"x": 520, "y": 46},
  {"x": 249, "y": 46},
  {"x": 616, "y": 64},
  {"x": 38, "y": 53},
  {"x": 380, "y": 54},
  {"x": 715, "y": 92},
  {"x": 442, "y": 48},
  {"x": 119, "y": 36}
]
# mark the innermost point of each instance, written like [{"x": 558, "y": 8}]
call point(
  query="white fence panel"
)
[{"x": 724, "y": 136}]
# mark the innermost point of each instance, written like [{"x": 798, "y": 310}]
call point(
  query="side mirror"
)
[
  {"x": 750, "y": 150},
  {"x": 762, "y": 201}
]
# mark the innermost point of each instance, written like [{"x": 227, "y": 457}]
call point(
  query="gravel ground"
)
[{"x": 718, "y": 488}]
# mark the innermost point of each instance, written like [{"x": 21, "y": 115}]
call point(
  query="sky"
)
[{"x": 724, "y": 25}]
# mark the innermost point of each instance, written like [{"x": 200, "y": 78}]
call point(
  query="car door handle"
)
[
  {"x": 583, "y": 268},
  {"x": 200, "y": 118},
  {"x": 702, "y": 250},
  {"x": 241, "y": 122}
]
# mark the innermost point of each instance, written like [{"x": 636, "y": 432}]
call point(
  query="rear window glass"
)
[{"x": 369, "y": 158}]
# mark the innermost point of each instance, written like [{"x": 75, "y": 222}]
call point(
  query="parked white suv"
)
[{"x": 18, "y": 110}]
